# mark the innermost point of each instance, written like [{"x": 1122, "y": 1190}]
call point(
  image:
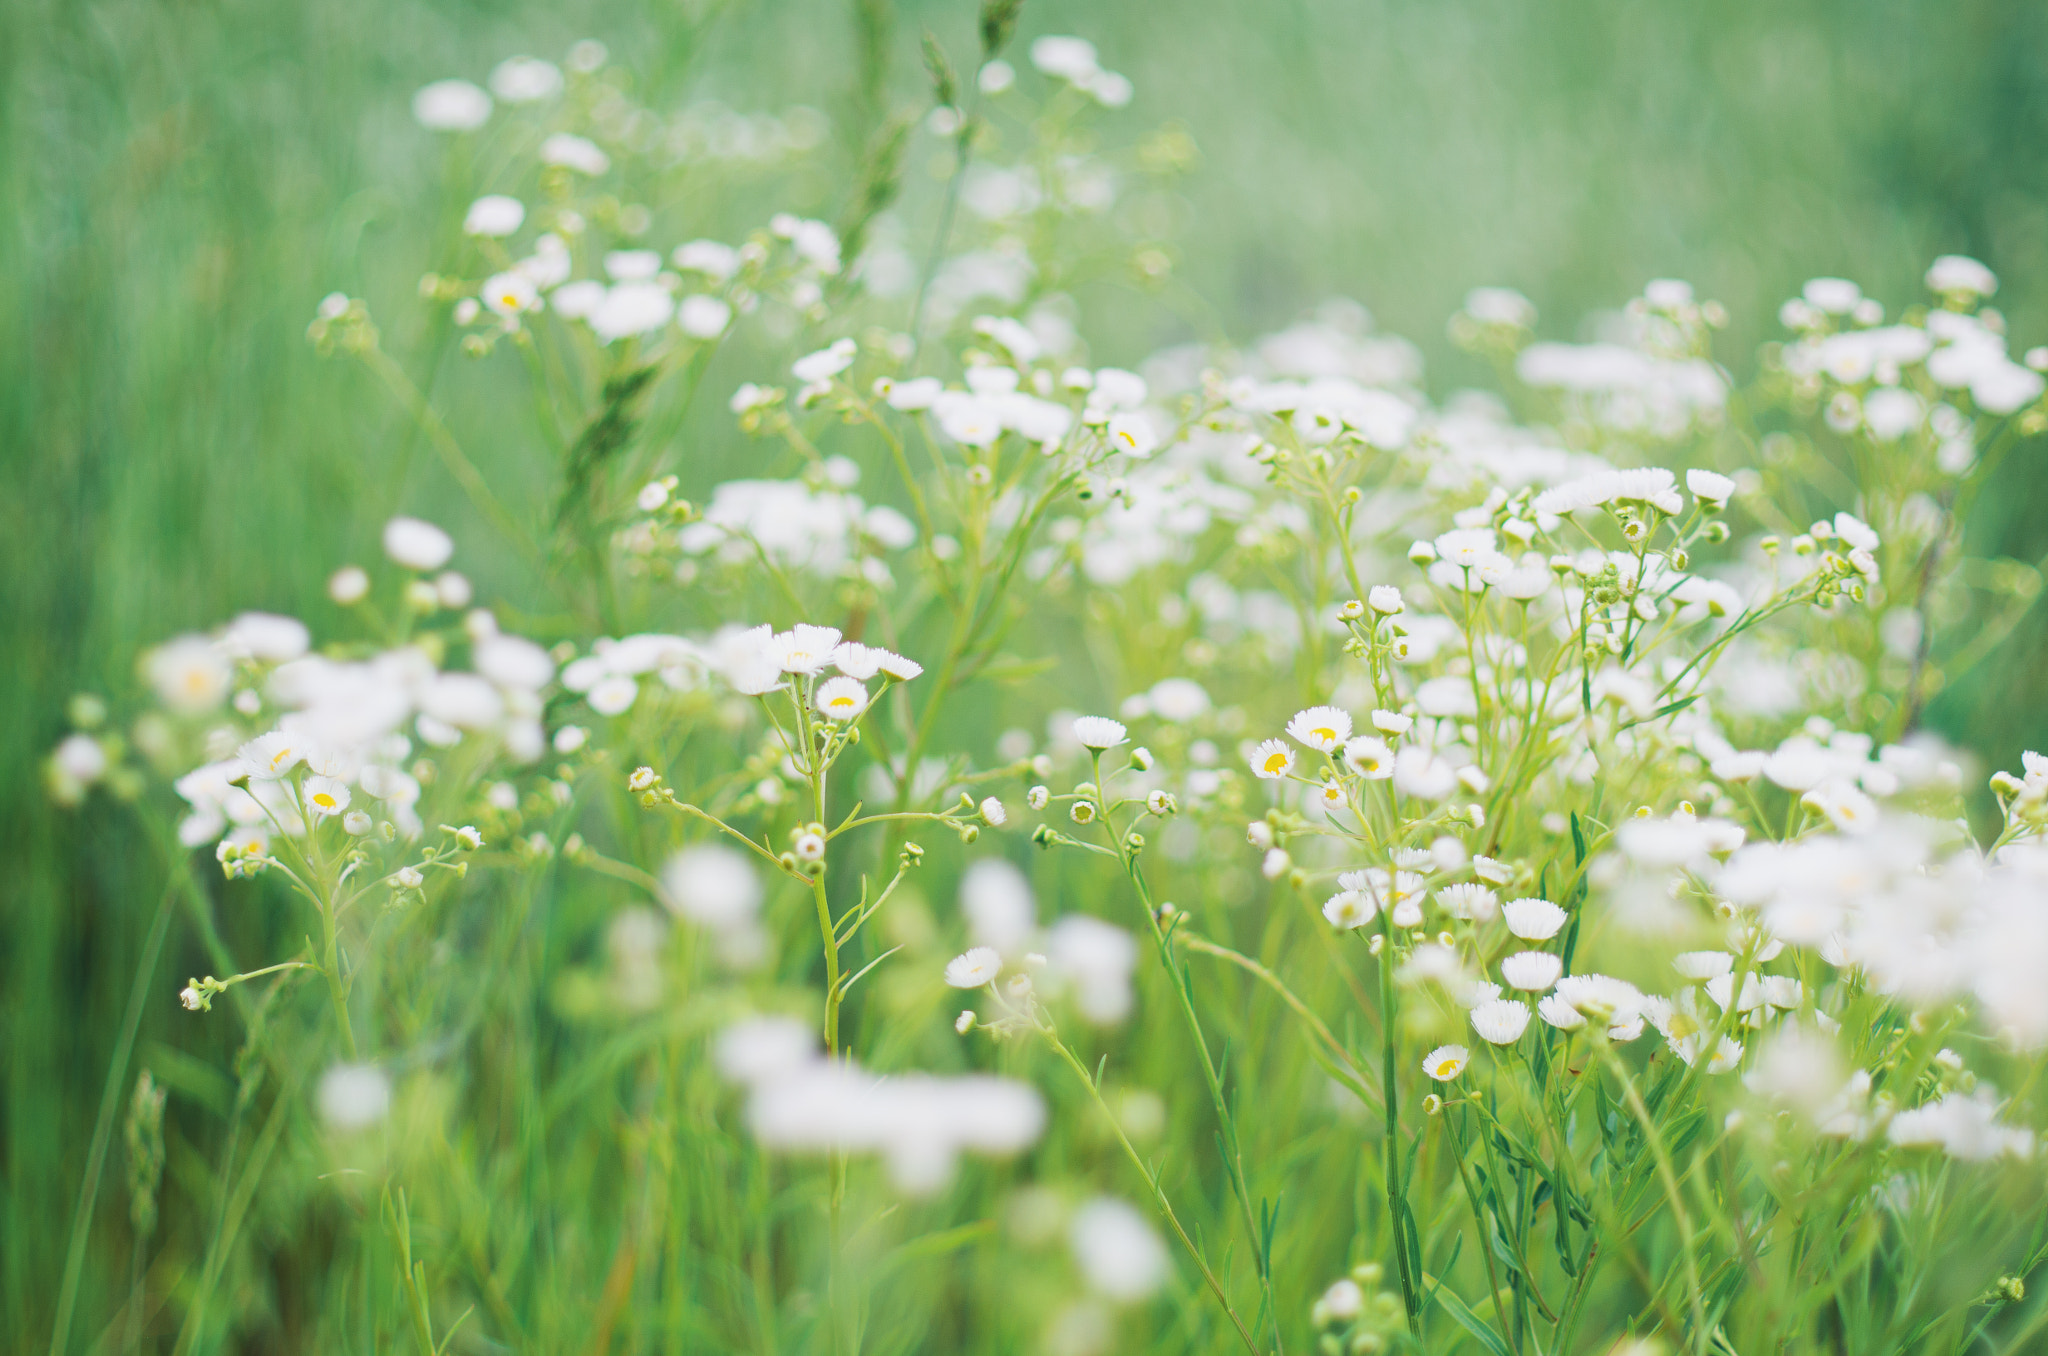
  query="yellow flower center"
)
[
  {"x": 325, "y": 800},
  {"x": 1325, "y": 734},
  {"x": 1445, "y": 1068},
  {"x": 841, "y": 703},
  {"x": 1276, "y": 762}
]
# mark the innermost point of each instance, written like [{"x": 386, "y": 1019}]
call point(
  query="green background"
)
[{"x": 181, "y": 182}]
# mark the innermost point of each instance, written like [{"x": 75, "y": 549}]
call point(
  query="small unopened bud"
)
[
  {"x": 1082, "y": 812},
  {"x": 1259, "y": 834},
  {"x": 1038, "y": 797},
  {"x": 964, "y": 1023},
  {"x": 643, "y": 779},
  {"x": 1141, "y": 758}
]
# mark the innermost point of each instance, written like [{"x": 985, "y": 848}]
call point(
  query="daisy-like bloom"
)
[
  {"x": 1500, "y": 1022},
  {"x": 468, "y": 838},
  {"x": 826, "y": 363},
  {"x": 810, "y": 846},
  {"x": 356, "y": 822},
  {"x": 899, "y": 668},
  {"x": 973, "y": 968},
  {"x": 1446, "y": 1062},
  {"x": 804, "y": 649},
  {"x": 509, "y": 294},
  {"x": 1651, "y": 485},
  {"x": 1038, "y": 797},
  {"x": 1534, "y": 920},
  {"x": 1272, "y": 760},
  {"x": 1557, "y": 1010},
  {"x": 326, "y": 795},
  {"x": 1490, "y": 871},
  {"x": 1531, "y": 971},
  {"x": 268, "y": 757},
  {"x": 1475, "y": 903},
  {"x": 856, "y": 660},
  {"x": 1711, "y": 488},
  {"x": 1370, "y": 758},
  {"x": 1392, "y": 722},
  {"x": 842, "y": 698},
  {"x": 1350, "y": 909},
  {"x": 1322, "y": 728},
  {"x": 1603, "y": 998},
  {"x": 408, "y": 878},
  {"x": 1332, "y": 795},
  {"x": 1385, "y": 599},
  {"x": 1098, "y": 732},
  {"x": 993, "y": 814},
  {"x": 1160, "y": 803}
]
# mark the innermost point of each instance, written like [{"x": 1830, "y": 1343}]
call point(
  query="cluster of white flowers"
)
[{"x": 919, "y": 1123}]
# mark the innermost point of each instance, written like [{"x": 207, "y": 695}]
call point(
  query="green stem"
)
[{"x": 1158, "y": 1192}]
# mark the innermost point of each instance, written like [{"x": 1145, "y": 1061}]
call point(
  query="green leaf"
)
[{"x": 1470, "y": 1321}]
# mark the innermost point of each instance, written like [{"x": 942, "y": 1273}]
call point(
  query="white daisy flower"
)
[
  {"x": 326, "y": 795},
  {"x": 1322, "y": 728},
  {"x": 1534, "y": 920},
  {"x": 1370, "y": 758},
  {"x": 973, "y": 968},
  {"x": 1531, "y": 971},
  {"x": 899, "y": 668},
  {"x": 1350, "y": 909},
  {"x": 842, "y": 698},
  {"x": 1098, "y": 732},
  {"x": 1392, "y": 722},
  {"x": 804, "y": 649},
  {"x": 1475, "y": 903},
  {"x": 1446, "y": 1062},
  {"x": 992, "y": 812},
  {"x": 1385, "y": 599},
  {"x": 268, "y": 757},
  {"x": 1557, "y": 1010},
  {"x": 1500, "y": 1022},
  {"x": 1272, "y": 760}
]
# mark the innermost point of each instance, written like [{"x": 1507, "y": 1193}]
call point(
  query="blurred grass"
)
[{"x": 180, "y": 183}]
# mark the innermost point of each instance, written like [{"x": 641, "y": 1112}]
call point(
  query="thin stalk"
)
[{"x": 1158, "y": 1192}]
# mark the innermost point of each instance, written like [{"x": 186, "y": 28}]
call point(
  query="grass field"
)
[{"x": 180, "y": 184}]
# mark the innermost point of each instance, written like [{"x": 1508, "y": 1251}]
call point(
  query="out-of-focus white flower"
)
[
  {"x": 1960, "y": 275},
  {"x": 190, "y": 674},
  {"x": 713, "y": 885},
  {"x": 974, "y": 967},
  {"x": 1094, "y": 959},
  {"x": 526, "y": 80},
  {"x": 353, "y": 1096},
  {"x": 570, "y": 151},
  {"x": 417, "y": 545},
  {"x": 1118, "y": 1251},
  {"x": 451, "y": 106},
  {"x": 628, "y": 309},
  {"x": 494, "y": 215}
]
